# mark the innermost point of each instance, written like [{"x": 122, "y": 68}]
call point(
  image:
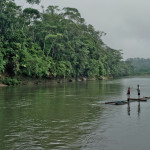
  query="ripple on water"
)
[{"x": 76, "y": 120}]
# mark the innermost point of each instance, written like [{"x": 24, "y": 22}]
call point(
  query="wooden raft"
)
[{"x": 144, "y": 99}]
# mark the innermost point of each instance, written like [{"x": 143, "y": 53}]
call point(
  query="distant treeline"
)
[
  {"x": 54, "y": 43},
  {"x": 141, "y": 66}
]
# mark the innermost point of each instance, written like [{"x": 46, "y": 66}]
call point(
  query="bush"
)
[{"x": 11, "y": 81}]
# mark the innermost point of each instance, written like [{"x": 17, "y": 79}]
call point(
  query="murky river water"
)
[{"x": 71, "y": 116}]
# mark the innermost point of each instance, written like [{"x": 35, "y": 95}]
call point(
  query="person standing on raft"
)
[
  {"x": 138, "y": 90},
  {"x": 128, "y": 93}
]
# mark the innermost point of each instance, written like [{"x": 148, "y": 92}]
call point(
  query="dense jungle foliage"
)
[
  {"x": 141, "y": 65},
  {"x": 54, "y": 43}
]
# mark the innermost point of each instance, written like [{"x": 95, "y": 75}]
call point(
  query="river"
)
[{"x": 72, "y": 116}]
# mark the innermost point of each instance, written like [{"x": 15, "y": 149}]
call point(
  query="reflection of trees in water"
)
[{"x": 60, "y": 115}]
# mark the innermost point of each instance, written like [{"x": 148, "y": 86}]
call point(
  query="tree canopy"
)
[
  {"x": 141, "y": 66},
  {"x": 33, "y": 1},
  {"x": 54, "y": 43}
]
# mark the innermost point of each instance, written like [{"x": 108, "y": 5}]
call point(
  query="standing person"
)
[
  {"x": 138, "y": 90},
  {"x": 138, "y": 87},
  {"x": 128, "y": 93}
]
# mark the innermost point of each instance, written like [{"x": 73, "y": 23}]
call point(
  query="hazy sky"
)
[{"x": 126, "y": 22}]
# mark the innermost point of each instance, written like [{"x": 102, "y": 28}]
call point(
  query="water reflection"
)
[
  {"x": 49, "y": 117},
  {"x": 128, "y": 108},
  {"x": 138, "y": 108},
  {"x": 71, "y": 116}
]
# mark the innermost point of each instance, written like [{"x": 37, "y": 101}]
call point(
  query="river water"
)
[{"x": 72, "y": 116}]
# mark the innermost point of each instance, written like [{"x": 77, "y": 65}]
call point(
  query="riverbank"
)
[
  {"x": 3, "y": 85},
  {"x": 19, "y": 80}
]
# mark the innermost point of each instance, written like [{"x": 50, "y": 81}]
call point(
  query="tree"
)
[
  {"x": 33, "y": 1},
  {"x": 31, "y": 14},
  {"x": 52, "y": 9},
  {"x": 54, "y": 43}
]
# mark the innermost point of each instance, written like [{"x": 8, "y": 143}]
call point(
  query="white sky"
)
[{"x": 126, "y": 22}]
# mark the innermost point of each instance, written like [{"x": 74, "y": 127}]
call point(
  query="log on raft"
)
[
  {"x": 116, "y": 102},
  {"x": 138, "y": 99}
]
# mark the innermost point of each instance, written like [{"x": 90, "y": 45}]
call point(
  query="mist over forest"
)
[{"x": 141, "y": 66}]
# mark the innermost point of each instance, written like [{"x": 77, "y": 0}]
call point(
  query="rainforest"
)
[{"x": 54, "y": 43}]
